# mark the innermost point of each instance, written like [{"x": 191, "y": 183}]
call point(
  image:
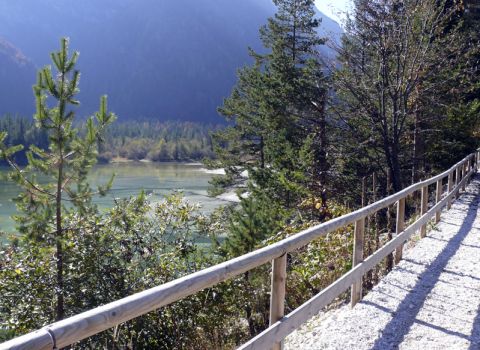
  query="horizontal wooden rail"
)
[
  {"x": 86, "y": 324},
  {"x": 310, "y": 308}
]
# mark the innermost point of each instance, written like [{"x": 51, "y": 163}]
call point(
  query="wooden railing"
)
[{"x": 86, "y": 324}]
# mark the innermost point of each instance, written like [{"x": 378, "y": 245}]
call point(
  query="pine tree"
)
[
  {"x": 276, "y": 106},
  {"x": 250, "y": 224},
  {"x": 66, "y": 162}
]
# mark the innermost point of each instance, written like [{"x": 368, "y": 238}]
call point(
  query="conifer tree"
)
[
  {"x": 63, "y": 166},
  {"x": 276, "y": 106},
  {"x": 255, "y": 220}
]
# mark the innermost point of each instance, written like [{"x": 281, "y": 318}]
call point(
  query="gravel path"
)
[{"x": 430, "y": 301}]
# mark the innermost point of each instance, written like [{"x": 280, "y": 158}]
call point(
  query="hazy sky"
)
[{"x": 334, "y": 8}]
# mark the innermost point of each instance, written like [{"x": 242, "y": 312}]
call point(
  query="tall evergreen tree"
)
[
  {"x": 65, "y": 163},
  {"x": 276, "y": 108},
  {"x": 255, "y": 220}
]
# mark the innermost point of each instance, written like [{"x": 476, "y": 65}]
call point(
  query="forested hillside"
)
[
  {"x": 131, "y": 140},
  {"x": 163, "y": 60},
  {"x": 17, "y": 74},
  {"x": 159, "y": 142}
]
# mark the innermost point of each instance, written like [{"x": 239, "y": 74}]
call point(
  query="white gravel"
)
[{"x": 430, "y": 301}]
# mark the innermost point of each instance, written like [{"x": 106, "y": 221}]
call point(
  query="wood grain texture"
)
[
  {"x": 449, "y": 189},
  {"x": 38, "y": 340},
  {"x": 277, "y": 295},
  {"x": 358, "y": 243},
  {"x": 457, "y": 180},
  {"x": 423, "y": 209},
  {"x": 399, "y": 227},
  {"x": 438, "y": 198}
]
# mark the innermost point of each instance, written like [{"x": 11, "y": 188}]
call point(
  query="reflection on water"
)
[{"x": 157, "y": 179}]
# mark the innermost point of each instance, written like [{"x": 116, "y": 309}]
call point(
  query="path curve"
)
[{"x": 430, "y": 301}]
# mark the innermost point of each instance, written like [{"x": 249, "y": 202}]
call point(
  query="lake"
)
[{"x": 158, "y": 179}]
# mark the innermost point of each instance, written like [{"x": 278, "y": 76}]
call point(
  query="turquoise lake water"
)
[{"x": 158, "y": 179}]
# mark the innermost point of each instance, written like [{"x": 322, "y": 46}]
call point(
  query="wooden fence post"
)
[
  {"x": 457, "y": 180},
  {"x": 400, "y": 226},
  {"x": 424, "y": 209},
  {"x": 277, "y": 295},
  {"x": 356, "y": 293},
  {"x": 438, "y": 198},
  {"x": 449, "y": 189},
  {"x": 464, "y": 173}
]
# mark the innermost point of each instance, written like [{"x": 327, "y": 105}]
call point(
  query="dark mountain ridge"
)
[
  {"x": 17, "y": 74},
  {"x": 155, "y": 59}
]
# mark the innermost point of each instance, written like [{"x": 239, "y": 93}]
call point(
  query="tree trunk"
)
[
  {"x": 262, "y": 153},
  {"x": 322, "y": 152},
  {"x": 389, "y": 222},
  {"x": 248, "y": 308},
  {"x": 396, "y": 174},
  {"x": 59, "y": 252},
  {"x": 418, "y": 150},
  {"x": 375, "y": 218}
]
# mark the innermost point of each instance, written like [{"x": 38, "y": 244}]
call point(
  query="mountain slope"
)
[
  {"x": 172, "y": 59},
  {"x": 16, "y": 74}
]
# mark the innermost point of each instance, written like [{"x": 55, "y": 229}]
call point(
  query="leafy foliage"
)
[
  {"x": 398, "y": 88},
  {"x": 126, "y": 250}
]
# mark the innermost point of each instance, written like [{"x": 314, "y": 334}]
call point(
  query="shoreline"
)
[{"x": 121, "y": 160}]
